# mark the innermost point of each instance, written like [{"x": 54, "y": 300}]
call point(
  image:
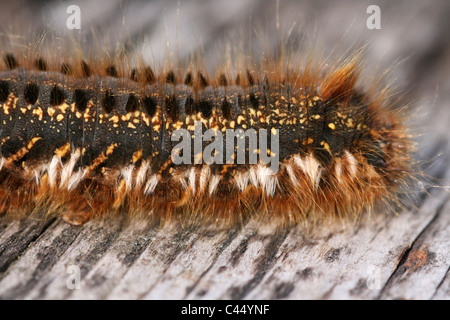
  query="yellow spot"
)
[
  {"x": 78, "y": 115},
  {"x": 326, "y": 146},
  {"x": 7, "y": 106},
  {"x": 24, "y": 110},
  {"x": 232, "y": 124},
  {"x": 63, "y": 107},
  {"x": 274, "y": 131},
  {"x": 32, "y": 142},
  {"x": 114, "y": 119},
  {"x": 59, "y": 117},
  {"x": 5, "y": 139},
  {"x": 155, "y": 117},
  {"x": 178, "y": 125},
  {"x": 316, "y": 116},
  {"x": 111, "y": 148},
  {"x": 127, "y": 117},
  {"x": 39, "y": 113},
  {"x": 146, "y": 119},
  {"x": 240, "y": 119},
  {"x": 130, "y": 125},
  {"x": 51, "y": 111},
  {"x": 136, "y": 156},
  {"x": 198, "y": 158},
  {"x": 332, "y": 126},
  {"x": 62, "y": 151},
  {"x": 310, "y": 140}
]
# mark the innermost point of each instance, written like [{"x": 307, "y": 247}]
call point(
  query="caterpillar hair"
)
[{"x": 83, "y": 136}]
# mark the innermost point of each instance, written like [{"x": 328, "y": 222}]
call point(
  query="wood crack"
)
[{"x": 399, "y": 270}]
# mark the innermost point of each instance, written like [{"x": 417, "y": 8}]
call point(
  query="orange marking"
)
[
  {"x": 102, "y": 157},
  {"x": 136, "y": 156},
  {"x": 62, "y": 151},
  {"x": 22, "y": 152}
]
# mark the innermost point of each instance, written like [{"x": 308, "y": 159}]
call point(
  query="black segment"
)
[
  {"x": 132, "y": 103},
  {"x": 31, "y": 93},
  {"x": 202, "y": 80},
  {"x": 134, "y": 75},
  {"x": 81, "y": 100},
  {"x": 111, "y": 71},
  {"x": 170, "y": 78},
  {"x": 85, "y": 69},
  {"x": 251, "y": 81},
  {"x": 189, "y": 106},
  {"x": 205, "y": 107},
  {"x": 254, "y": 101},
  {"x": 149, "y": 75},
  {"x": 238, "y": 80},
  {"x": 109, "y": 102},
  {"x": 4, "y": 90},
  {"x": 188, "y": 79},
  {"x": 223, "y": 80},
  {"x": 56, "y": 96},
  {"x": 226, "y": 109},
  {"x": 150, "y": 106},
  {"x": 40, "y": 64},
  {"x": 66, "y": 69},
  {"x": 171, "y": 108},
  {"x": 11, "y": 61}
]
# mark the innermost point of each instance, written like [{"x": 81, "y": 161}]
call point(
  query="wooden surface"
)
[{"x": 385, "y": 256}]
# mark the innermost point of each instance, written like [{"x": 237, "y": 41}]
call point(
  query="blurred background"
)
[{"x": 413, "y": 42}]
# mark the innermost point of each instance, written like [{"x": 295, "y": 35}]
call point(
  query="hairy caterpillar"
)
[{"x": 85, "y": 141}]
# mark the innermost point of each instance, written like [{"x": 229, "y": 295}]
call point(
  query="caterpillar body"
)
[{"x": 84, "y": 143}]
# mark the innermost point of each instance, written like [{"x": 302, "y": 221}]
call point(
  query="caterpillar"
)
[{"x": 85, "y": 141}]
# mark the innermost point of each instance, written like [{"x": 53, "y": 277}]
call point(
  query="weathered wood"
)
[{"x": 385, "y": 256}]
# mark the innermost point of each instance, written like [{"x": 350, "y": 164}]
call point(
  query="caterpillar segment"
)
[{"x": 85, "y": 145}]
